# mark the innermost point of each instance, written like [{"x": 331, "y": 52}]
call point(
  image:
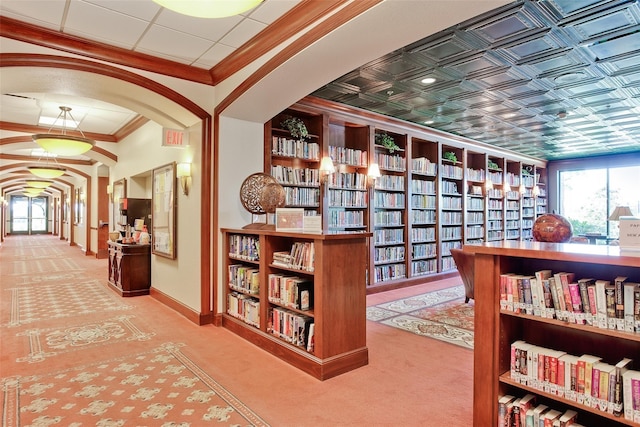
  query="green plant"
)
[
  {"x": 387, "y": 142},
  {"x": 493, "y": 165},
  {"x": 296, "y": 128},
  {"x": 526, "y": 171},
  {"x": 450, "y": 155}
]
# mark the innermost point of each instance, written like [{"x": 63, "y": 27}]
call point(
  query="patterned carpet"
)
[
  {"x": 442, "y": 315},
  {"x": 74, "y": 353}
]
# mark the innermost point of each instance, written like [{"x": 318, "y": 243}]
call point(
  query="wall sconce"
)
[
  {"x": 374, "y": 172},
  {"x": 506, "y": 187},
  {"x": 326, "y": 168},
  {"x": 184, "y": 173},
  {"x": 488, "y": 185},
  {"x": 110, "y": 192},
  {"x": 536, "y": 191}
]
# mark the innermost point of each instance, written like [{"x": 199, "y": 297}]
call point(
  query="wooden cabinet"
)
[
  {"x": 496, "y": 329},
  {"x": 130, "y": 269},
  {"x": 338, "y": 286}
]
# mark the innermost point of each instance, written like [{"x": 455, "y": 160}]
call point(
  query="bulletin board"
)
[{"x": 163, "y": 234}]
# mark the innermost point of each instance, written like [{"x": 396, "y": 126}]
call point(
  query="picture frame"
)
[
  {"x": 163, "y": 210},
  {"x": 119, "y": 192},
  {"x": 290, "y": 220}
]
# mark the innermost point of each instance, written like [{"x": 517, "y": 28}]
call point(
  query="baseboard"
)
[{"x": 174, "y": 304}]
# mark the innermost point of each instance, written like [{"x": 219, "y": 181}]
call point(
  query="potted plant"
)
[
  {"x": 451, "y": 156},
  {"x": 296, "y": 128},
  {"x": 493, "y": 166},
  {"x": 385, "y": 140}
]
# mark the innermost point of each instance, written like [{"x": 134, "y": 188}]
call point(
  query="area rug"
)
[
  {"x": 160, "y": 387},
  {"x": 441, "y": 315}
]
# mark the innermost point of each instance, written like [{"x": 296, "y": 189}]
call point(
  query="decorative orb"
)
[
  {"x": 552, "y": 228},
  {"x": 273, "y": 196},
  {"x": 251, "y": 192}
]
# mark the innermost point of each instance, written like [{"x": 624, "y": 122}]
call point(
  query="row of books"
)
[
  {"x": 587, "y": 379},
  {"x": 291, "y": 291},
  {"x": 244, "y": 247},
  {"x": 301, "y": 257},
  {"x": 244, "y": 278},
  {"x": 292, "y": 327},
  {"x": 602, "y": 303},
  {"x": 296, "y": 176},
  {"x": 523, "y": 411},
  {"x": 349, "y": 156},
  {"x": 295, "y": 148},
  {"x": 244, "y": 308}
]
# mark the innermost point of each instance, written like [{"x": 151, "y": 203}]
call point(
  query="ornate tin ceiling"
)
[{"x": 552, "y": 79}]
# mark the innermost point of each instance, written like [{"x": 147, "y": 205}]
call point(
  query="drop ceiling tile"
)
[
  {"x": 208, "y": 29},
  {"x": 269, "y": 11},
  {"x": 169, "y": 43},
  {"x": 48, "y": 14},
  {"x": 137, "y": 9},
  {"x": 616, "y": 47},
  {"x": 86, "y": 19},
  {"x": 243, "y": 32},
  {"x": 213, "y": 56}
]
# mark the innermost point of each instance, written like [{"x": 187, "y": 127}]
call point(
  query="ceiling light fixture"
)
[
  {"x": 47, "y": 172},
  {"x": 63, "y": 144},
  {"x": 428, "y": 80},
  {"x": 209, "y": 8},
  {"x": 562, "y": 114},
  {"x": 37, "y": 183}
]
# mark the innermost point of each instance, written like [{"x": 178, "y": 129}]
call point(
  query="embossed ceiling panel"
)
[{"x": 548, "y": 78}]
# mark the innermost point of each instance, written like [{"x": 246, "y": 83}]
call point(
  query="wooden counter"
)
[{"x": 129, "y": 269}]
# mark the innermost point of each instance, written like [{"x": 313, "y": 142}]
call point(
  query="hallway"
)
[{"x": 58, "y": 315}]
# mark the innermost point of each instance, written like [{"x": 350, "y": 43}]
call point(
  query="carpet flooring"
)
[
  {"x": 74, "y": 353},
  {"x": 441, "y": 315}
]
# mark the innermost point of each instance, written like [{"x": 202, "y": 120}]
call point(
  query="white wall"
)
[{"x": 138, "y": 154}]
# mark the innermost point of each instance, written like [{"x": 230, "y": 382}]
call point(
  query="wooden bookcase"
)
[
  {"x": 339, "y": 298},
  {"x": 496, "y": 330},
  {"x": 411, "y": 237}
]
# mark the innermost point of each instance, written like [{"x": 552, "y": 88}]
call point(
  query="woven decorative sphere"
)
[
  {"x": 273, "y": 197},
  {"x": 552, "y": 228},
  {"x": 251, "y": 192}
]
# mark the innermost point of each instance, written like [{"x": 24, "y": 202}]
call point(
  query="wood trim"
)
[
  {"x": 174, "y": 304},
  {"x": 45, "y": 37},
  {"x": 208, "y": 220},
  {"x": 131, "y": 127},
  {"x": 285, "y": 27}
]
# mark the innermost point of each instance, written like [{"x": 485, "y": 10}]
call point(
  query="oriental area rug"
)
[
  {"x": 441, "y": 315},
  {"x": 75, "y": 353}
]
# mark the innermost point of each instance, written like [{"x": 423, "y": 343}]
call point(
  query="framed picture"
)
[
  {"x": 290, "y": 219},
  {"x": 163, "y": 204},
  {"x": 119, "y": 192}
]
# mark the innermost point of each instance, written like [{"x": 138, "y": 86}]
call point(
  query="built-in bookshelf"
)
[
  {"x": 503, "y": 326},
  {"x": 423, "y": 209},
  {"x": 528, "y": 201},
  {"x": 286, "y": 292},
  {"x": 295, "y": 162},
  {"x": 451, "y": 209},
  {"x": 423, "y": 204},
  {"x": 347, "y": 188},
  {"x": 389, "y": 210}
]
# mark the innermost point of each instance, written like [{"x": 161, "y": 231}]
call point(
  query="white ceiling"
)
[{"x": 142, "y": 26}]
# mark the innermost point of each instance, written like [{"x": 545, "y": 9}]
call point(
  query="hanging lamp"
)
[
  {"x": 209, "y": 8},
  {"x": 47, "y": 172},
  {"x": 38, "y": 183},
  {"x": 63, "y": 144}
]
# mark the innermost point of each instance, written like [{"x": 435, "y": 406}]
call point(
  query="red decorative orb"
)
[{"x": 552, "y": 228}]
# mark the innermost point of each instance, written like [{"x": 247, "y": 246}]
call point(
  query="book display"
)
[
  {"x": 451, "y": 182},
  {"x": 348, "y": 187},
  {"x": 299, "y": 296},
  {"x": 389, "y": 208},
  {"x": 294, "y": 159},
  {"x": 434, "y": 193},
  {"x": 423, "y": 214},
  {"x": 548, "y": 326}
]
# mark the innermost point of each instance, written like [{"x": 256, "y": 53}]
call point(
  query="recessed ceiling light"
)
[
  {"x": 569, "y": 78},
  {"x": 428, "y": 80},
  {"x": 428, "y": 122}
]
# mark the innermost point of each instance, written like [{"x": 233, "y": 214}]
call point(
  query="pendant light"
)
[
  {"x": 63, "y": 144},
  {"x": 38, "y": 183},
  {"x": 209, "y": 8},
  {"x": 47, "y": 172}
]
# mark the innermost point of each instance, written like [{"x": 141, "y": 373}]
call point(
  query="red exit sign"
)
[{"x": 174, "y": 138}]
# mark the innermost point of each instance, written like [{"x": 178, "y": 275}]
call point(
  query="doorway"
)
[{"x": 28, "y": 215}]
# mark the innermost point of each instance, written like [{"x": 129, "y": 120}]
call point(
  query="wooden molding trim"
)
[
  {"x": 285, "y": 27},
  {"x": 40, "y": 36},
  {"x": 177, "y": 306},
  {"x": 131, "y": 127}
]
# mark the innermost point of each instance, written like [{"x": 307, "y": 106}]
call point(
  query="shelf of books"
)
[
  {"x": 560, "y": 334},
  {"x": 512, "y": 201},
  {"x": 287, "y": 292},
  {"x": 348, "y": 186},
  {"x": 389, "y": 209},
  {"x": 476, "y": 176},
  {"x": 528, "y": 212},
  {"x": 495, "y": 199},
  {"x": 423, "y": 213},
  {"x": 540, "y": 191},
  {"x": 451, "y": 212},
  {"x": 294, "y": 160}
]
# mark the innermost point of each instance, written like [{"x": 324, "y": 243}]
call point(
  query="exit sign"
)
[{"x": 174, "y": 138}]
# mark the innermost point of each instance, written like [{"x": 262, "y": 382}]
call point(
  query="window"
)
[{"x": 589, "y": 196}]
